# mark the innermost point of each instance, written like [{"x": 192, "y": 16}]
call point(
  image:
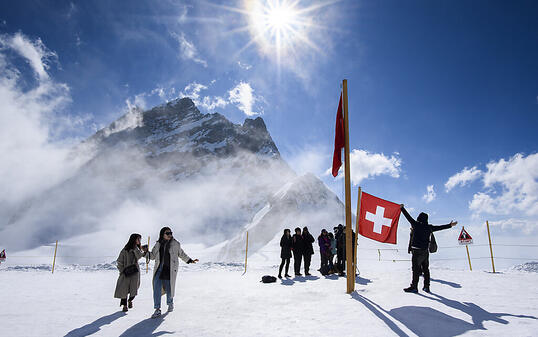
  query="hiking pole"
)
[{"x": 147, "y": 258}]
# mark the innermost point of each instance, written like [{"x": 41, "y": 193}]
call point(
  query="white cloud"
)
[
  {"x": 365, "y": 165},
  {"x": 34, "y": 52},
  {"x": 430, "y": 194},
  {"x": 29, "y": 119},
  {"x": 309, "y": 159},
  {"x": 528, "y": 226},
  {"x": 244, "y": 66},
  {"x": 462, "y": 178},
  {"x": 188, "y": 50},
  {"x": 192, "y": 90},
  {"x": 243, "y": 96},
  {"x": 517, "y": 179}
]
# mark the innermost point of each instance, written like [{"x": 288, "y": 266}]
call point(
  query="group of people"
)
[
  {"x": 166, "y": 252},
  {"x": 331, "y": 245},
  {"x": 301, "y": 245}
]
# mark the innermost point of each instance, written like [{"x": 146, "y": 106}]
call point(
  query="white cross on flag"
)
[{"x": 378, "y": 218}]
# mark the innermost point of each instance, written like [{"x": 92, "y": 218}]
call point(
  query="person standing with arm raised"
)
[
  {"x": 420, "y": 243},
  {"x": 166, "y": 252}
]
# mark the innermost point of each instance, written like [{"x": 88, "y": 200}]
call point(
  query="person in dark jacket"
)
[
  {"x": 324, "y": 250},
  {"x": 420, "y": 242},
  {"x": 340, "y": 249},
  {"x": 308, "y": 239},
  {"x": 297, "y": 246},
  {"x": 285, "y": 252}
]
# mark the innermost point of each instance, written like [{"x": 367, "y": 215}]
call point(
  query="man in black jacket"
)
[
  {"x": 340, "y": 249},
  {"x": 420, "y": 244},
  {"x": 308, "y": 239},
  {"x": 297, "y": 245}
]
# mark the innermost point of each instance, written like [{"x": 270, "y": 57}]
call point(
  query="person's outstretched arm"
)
[
  {"x": 182, "y": 255},
  {"x": 407, "y": 215},
  {"x": 441, "y": 227}
]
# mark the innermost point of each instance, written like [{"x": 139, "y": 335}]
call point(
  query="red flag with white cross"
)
[{"x": 378, "y": 219}]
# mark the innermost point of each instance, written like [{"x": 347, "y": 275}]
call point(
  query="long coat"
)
[
  {"x": 308, "y": 239},
  {"x": 128, "y": 285},
  {"x": 175, "y": 253},
  {"x": 285, "y": 243}
]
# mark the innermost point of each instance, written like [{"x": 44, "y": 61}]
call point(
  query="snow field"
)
[{"x": 217, "y": 300}]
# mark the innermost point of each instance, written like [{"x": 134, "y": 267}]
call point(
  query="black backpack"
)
[
  {"x": 268, "y": 279},
  {"x": 433, "y": 244}
]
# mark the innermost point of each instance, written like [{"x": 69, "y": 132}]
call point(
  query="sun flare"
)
[{"x": 283, "y": 30}]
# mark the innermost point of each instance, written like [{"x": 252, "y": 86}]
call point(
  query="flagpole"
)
[
  {"x": 357, "y": 227},
  {"x": 349, "y": 241}
]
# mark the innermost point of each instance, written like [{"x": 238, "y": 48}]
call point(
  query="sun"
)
[
  {"x": 283, "y": 30},
  {"x": 275, "y": 24}
]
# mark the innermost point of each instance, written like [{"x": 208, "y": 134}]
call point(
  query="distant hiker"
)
[
  {"x": 324, "y": 243},
  {"x": 421, "y": 233},
  {"x": 285, "y": 252},
  {"x": 308, "y": 239},
  {"x": 340, "y": 249},
  {"x": 165, "y": 253},
  {"x": 333, "y": 252},
  {"x": 297, "y": 246},
  {"x": 129, "y": 278}
]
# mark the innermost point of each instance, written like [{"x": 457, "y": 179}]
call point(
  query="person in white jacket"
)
[{"x": 166, "y": 252}]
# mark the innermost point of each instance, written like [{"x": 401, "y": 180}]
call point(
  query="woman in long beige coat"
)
[
  {"x": 128, "y": 285},
  {"x": 166, "y": 254}
]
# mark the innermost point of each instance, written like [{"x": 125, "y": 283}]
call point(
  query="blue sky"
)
[{"x": 435, "y": 87}]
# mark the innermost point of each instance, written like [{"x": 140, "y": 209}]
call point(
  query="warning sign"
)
[{"x": 465, "y": 238}]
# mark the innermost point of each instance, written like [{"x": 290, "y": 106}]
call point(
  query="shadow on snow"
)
[
  {"x": 426, "y": 321},
  {"x": 146, "y": 328},
  {"x": 95, "y": 326},
  {"x": 448, "y": 283}
]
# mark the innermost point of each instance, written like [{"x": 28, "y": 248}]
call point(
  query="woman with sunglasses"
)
[{"x": 166, "y": 252}]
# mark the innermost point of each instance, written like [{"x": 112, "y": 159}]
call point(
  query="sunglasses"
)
[{"x": 168, "y": 233}]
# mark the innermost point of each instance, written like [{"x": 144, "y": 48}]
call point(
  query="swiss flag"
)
[
  {"x": 339, "y": 140},
  {"x": 378, "y": 219}
]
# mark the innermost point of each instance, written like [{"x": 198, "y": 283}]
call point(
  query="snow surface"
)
[{"x": 216, "y": 299}]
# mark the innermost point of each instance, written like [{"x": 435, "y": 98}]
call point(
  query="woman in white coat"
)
[{"x": 166, "y": 252}]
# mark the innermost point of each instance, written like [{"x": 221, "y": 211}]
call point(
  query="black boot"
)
[{"x": 411, "y": 289}]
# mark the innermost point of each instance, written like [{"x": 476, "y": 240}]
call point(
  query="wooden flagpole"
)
[
  {"x": 490, "y": 249},
  {"x": 349, "y": 241},
  {"x": 246, "y": 255},
  {"x": 469, "y": 257},
  {"x": 54, "y": 260},
  {"x": 357, "y": 227}
]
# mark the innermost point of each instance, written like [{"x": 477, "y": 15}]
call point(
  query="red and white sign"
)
[
  {"x": 465, "y": 238},
  {"x": 378, "y": 219}
]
